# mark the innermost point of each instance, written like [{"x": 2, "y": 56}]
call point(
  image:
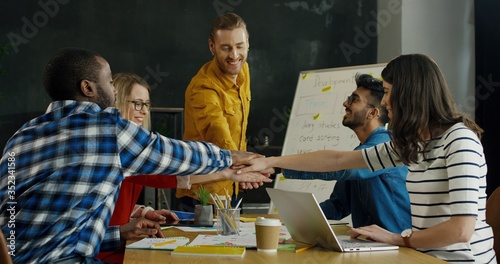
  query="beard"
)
[
  {"x": 103, "y": 99},
  {"x": 355, "y": 120},
  {"x": 226, "y": 69}
]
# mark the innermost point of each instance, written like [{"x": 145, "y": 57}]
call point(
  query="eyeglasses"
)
[
  {"x": 354, "y": 99},
  {"x": 139, "y": 105}
]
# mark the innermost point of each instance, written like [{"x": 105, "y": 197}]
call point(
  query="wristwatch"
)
[{"x": 406, "y": 234}]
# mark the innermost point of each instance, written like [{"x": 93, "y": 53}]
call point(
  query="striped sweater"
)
[{"x": 449, "y": 180}]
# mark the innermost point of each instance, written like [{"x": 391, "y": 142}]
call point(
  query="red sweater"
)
[{"x": 130, "y": 190}]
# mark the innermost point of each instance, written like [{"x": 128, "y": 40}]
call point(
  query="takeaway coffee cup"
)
[{"x": 267, "y": 232}]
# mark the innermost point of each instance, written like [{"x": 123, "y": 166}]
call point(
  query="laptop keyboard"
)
[{"x": 351, "y": 244}]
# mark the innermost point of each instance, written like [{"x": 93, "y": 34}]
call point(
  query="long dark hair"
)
[{"x": 421, "y": 101}]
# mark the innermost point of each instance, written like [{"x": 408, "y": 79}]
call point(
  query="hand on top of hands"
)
[
  {"x": 242, "y": 157},
  {"x": 248, "y": 180}
]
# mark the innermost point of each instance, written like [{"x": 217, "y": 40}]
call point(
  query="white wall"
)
[
  {"x": 442, "y": 29},
  {"x": 389, "y": 36}
]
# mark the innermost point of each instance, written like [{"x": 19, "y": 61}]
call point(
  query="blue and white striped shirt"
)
[
  {"x": 60, "y": 175},
  {"x": 449, "y": 180}
]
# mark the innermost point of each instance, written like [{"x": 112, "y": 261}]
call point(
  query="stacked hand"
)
[
  {"x": 249, "y": 179},
  {"x": 256, "y": 164},
  {"x": 242, "y": 157}
]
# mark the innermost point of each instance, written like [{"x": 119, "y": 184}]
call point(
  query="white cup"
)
[{"x": 267, "y": 232}]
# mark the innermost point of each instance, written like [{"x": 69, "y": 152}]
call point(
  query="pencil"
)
[
  {"x": 164, "y": 243},
  {"x": 239, "y": 202},
  {"x": 215, "y": 202},
  {"x": 304, "y": 248}
]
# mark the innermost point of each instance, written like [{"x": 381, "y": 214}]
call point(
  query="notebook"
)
[
  {"x": 307, "y": 224},
  {"x": 210, "y": 251}
]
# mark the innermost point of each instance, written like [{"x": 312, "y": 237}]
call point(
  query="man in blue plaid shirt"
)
[{"x": 60, "y": 173}]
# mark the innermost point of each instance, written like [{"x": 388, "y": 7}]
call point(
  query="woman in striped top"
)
[{"x": 447, "y": 169}]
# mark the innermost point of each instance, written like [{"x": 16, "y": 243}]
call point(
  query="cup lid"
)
[{"x": 267, "y": 221}]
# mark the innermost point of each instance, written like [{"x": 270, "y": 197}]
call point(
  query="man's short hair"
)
[
  {"x": 376, "y": 93},
  {"x": 227, "y": 21},
  {"x": 66, "y": 69}
]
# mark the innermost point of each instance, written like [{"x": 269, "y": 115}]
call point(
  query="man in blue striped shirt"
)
[{"x": 60, "y": 172}]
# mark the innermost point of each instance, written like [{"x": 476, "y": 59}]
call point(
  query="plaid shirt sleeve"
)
[
  {"x": 111, "y": 239},
  {"x": 145, "y": 152}
]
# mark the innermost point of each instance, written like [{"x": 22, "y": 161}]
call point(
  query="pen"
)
[{"x": 304, "y": 248}]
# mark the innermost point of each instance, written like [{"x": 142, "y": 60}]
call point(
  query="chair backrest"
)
[
  {"x": 4, "y": 253},
  {"x": 493, "y": 217}
]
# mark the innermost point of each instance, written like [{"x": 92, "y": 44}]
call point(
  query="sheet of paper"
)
[{"x": 168, "y": 243}]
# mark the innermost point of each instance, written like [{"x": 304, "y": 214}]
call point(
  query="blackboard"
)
[
  {"x": 166, "y": 43},
  {"x": 316, "y": 120}
]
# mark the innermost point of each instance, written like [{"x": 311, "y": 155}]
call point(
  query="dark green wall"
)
[{"x": 166, "y": 42}]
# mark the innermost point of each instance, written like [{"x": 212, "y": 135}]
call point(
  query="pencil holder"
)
[{"x": 228, "y": 222}]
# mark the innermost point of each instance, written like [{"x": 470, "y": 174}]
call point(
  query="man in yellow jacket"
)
[{"x": 217, "y": 100}]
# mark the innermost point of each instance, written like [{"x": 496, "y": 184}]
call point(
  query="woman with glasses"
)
[
  {"x": 132, "y": 99},
  {"x": 446, "y": 178}
]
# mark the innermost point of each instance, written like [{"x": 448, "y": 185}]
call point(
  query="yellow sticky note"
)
[
  {"x": 326, "y": 89},
  {"x": 316, "y": 116},
  {"x": 247, "y": 219}
]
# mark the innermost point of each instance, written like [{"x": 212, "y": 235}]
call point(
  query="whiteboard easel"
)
[{"x": 316, "y": 121}]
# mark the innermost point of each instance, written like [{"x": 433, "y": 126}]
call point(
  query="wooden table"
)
[{"x": 313, "y": 255}]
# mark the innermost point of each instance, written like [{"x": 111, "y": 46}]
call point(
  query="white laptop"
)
[{"x": 307, "y": 224}]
